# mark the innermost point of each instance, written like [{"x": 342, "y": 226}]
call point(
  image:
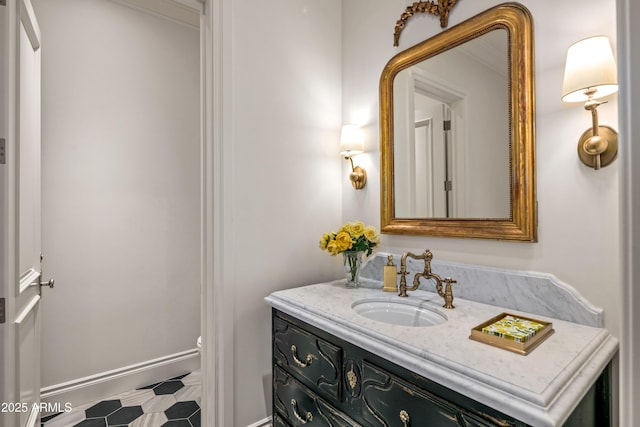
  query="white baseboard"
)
[
  {"x": 262, "y": 423},
  {"x": 106, "y": 384}
]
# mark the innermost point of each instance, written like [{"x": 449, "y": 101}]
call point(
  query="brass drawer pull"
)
[
  {"x": 294, "y": 354},
  {"x": 404, "y": 417},
  {"x": 307, "y": 418}
]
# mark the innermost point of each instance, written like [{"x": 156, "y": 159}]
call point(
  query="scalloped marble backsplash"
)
[{"x": 532, "y": 292}]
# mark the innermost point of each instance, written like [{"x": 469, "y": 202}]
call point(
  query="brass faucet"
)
[{"x": 427, "y": 256}]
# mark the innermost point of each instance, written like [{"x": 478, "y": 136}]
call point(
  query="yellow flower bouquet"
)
[{"x": 352, "y": 240}]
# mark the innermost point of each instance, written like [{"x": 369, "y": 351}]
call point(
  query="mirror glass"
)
[
  {"x": 451, "y": 133},
  {"x": 457, "y": 131}
]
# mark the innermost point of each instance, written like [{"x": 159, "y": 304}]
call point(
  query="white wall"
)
[
  {"x": 578, "y": 207},
  {"x": 285, "y": 77},
  {"x": 121, "y": 195}
]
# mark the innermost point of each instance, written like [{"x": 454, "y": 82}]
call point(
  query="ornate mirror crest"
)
[{"x": 440, "y": 8}]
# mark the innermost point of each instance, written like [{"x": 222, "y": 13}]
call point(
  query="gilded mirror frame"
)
[{"x": 522, "y": 225}]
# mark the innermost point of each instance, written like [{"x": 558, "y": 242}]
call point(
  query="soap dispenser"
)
[{"x": 390, "y": 274}]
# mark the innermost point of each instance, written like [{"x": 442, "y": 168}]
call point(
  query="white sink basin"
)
[{"x": 395, "y": 312}]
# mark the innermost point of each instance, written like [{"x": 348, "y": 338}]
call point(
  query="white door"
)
[
  {"x": 430, "y": 157},
  {"x": 20, "y": 257}
]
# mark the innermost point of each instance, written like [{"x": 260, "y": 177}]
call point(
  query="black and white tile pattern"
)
[{"x": 171, "y": 403}]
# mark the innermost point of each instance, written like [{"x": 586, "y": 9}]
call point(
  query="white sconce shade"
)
[
  {"x": 351, "y": 140},
  {"x": 590, "y": 70}
]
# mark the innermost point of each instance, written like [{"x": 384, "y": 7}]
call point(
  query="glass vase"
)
[{"x": 352, "y": 261}]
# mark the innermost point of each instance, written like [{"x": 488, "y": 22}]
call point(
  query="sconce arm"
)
[
  {"x": 592, "y": 105},
  {"x": 351, "y": 160}
]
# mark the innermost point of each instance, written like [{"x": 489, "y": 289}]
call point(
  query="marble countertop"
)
[{"x": 541, "y": 388}]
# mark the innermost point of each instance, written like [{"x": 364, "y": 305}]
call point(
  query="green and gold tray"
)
[{"x": 512, "y": 332}]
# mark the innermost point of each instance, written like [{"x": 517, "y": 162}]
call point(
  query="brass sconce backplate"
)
[
  {"x": 606, "y": 157},
  {"x": 358, "y": 178}
]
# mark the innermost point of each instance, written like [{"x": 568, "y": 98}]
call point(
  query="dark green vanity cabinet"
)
[{"x": 321, "y": 380}]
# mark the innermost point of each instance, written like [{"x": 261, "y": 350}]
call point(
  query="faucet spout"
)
[{"x": 427, "y": 256}]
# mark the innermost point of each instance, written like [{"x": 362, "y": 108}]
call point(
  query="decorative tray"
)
[{"x": 512, "y": 332}]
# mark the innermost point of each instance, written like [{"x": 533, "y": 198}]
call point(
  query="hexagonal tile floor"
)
[{"x": 174, "y": 402}]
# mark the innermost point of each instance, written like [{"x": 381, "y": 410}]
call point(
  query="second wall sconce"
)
[
  {"x": 352, "y": 143},
  {"x": 590, "y": 73}
]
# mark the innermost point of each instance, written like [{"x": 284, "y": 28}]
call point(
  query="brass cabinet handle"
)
[
  {"x": 307, "y": 418},
  {"x": 404, "y": 417},
  {"x": 352, "y": 378},
  {"x": 294, "y": 354}
]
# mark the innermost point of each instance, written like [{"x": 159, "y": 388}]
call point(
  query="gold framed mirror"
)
[{"x": 457, "y": 130}]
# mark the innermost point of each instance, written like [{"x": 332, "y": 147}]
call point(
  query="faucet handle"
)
[
  {"x": 403, "y": 270},
  {"x": 403, "y": 280},
  {"x": 448, "y": 293}
]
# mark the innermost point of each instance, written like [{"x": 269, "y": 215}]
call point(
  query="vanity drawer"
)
[
  {"x": 391, "y": 401},
  {"x": 301, "y": 407},
  {"x": 279, "y": 422},
  {"x": 311, "y": 359},
  {"x": 471, "y": 421}
]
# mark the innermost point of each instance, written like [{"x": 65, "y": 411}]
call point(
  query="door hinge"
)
[
  {"x": 448, "y": 186},
  {"x": 3, "y": 149},
  {"x": 446, "y": 125},
  {"x": 3, "y": 318}
]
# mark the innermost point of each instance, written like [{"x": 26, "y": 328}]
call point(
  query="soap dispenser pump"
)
[{"x": 390, "y": 274}]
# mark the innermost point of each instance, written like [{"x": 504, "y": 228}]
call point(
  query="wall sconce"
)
[
  {"x": 352, "y": 143},
  {"x": 590, "y": 73}
]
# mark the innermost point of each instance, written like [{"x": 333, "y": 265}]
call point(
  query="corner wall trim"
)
[
  {"x": 105, "y": 384},
  {"x": 262, "y": 423}
]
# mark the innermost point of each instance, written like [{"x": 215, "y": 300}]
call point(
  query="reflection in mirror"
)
[
  {"x": 442, "y": 169},
  {"x": 457, "y": 131}
]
